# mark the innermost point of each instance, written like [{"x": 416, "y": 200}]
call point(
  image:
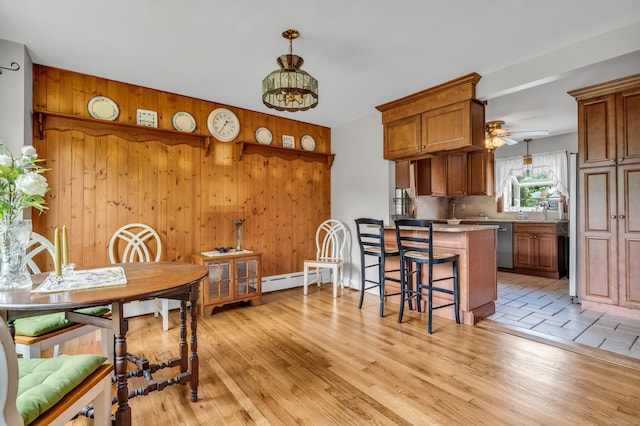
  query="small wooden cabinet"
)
[
  {"x": 402, "y": 138},
  {"x": 538, "y": 249},
  {"x": 460, "y": 125},
  {"x": 454, "y": 175},
  {"x": 232, "y": 278}
]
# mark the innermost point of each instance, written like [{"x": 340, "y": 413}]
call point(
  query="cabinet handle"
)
[
  {"x": 417, "y": 148},
  {"x": 613, "y": 216},
  {"x": 620, "y": 160},
  {"x": 621, "y": 216},
  {"x": 613, "y": 160}
]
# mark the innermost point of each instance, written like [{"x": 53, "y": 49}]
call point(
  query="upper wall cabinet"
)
[
  {"x": 443, "y": 118},
  {"x": 609, "y": 117}
]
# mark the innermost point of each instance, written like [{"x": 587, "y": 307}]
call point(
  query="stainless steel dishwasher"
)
[{"x": 505, "y": 243}]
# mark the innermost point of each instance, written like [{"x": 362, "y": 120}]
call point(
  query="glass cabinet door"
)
[
  {"x": 219, "y": 281},
  {"x": 247, "y": 276}
]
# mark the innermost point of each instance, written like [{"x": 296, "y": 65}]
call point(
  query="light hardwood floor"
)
[{"x": 315, "y": 360}]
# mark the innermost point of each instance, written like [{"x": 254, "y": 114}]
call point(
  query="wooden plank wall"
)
[{"x": 101, "y": 183}]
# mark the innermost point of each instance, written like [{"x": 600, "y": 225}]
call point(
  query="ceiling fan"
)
[{"x": 496, "y": 135}]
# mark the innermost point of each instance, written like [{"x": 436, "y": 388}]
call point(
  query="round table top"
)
[{"x": 144, "y": 280}]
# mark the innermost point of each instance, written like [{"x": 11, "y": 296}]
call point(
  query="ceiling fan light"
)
[{"x": 493, "y": 142}]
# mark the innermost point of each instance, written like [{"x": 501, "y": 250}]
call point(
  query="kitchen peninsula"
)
[{"x": 477, "y": 273}]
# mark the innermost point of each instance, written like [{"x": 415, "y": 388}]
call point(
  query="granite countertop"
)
[{"x": 442, "y": 227}]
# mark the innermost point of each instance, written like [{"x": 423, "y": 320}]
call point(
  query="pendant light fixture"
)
[
  {"x": 527, "y": 162},
  {"x": 290, "y": 88}
]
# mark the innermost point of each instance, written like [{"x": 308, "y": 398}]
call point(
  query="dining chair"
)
[
  {"x": 51, "y": 330},
  {"x": 415, "y": 244},
  {"x": 138, "y": 242},
  {"x": 374, "y": 254},
  {"x": 331, "y": 237}
]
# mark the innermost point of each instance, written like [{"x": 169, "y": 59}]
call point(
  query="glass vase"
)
[{"x": 14, "y": 238}]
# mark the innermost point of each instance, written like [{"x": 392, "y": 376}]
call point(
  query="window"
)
[{"x": 530, "y": 185}]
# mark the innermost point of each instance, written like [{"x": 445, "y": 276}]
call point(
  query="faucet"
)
[{"x": 545, "y": 207}]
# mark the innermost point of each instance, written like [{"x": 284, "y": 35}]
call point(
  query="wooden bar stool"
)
[
  {"x": 414, "y": 238},
  {"x": 371, "y": 241}
]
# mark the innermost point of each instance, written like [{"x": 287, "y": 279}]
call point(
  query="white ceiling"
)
[{"x": 363, "y": 52}]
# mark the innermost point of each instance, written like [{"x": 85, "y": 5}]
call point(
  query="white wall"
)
[
  {"x": 360, "y": 180},
  {"x": 17, "y": 95}
]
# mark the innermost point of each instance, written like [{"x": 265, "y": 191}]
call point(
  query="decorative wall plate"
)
[
  {"x": 264, "y": 136},
  {"x": 183, "y": 122},
  {"x": 103, "y": 108},
  {"x": 308, "y": 143}
]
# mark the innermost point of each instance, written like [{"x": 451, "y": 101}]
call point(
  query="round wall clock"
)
[{"x": 223, "y": 124}]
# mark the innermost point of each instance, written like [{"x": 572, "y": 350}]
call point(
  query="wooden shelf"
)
[
  {"x": 131, "y": 132},
  {"x": 284, "y": 153}
]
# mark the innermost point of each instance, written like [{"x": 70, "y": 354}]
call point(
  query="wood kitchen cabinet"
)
[
  {"x": 402, "y": 138},
  {"x": 442, "y": 118},
  {"x": 609, "y": 123},
  {"x": 460, "y": 125},
  {"x": 459, "y": 174},
  {"x": 232, "y": 278},
  {"x": 538, "y": 249},
  {"x": 609, "y": 161},
  {"x": 480, "y": 166},
  {"x": 430, "y": 176}
]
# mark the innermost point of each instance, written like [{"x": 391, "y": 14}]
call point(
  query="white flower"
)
[
  {"x": 29, "y": 152},
  {"x": 6, "y": 160},
  {"x": 32, "y": 183}
]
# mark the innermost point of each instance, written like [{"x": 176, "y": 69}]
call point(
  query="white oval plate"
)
[
  {"x": 264, "y": 136},
  {"x": 308, "y": 143},
  {"x": 103, "y": 108},
  {"x": 183, "y": 122}
]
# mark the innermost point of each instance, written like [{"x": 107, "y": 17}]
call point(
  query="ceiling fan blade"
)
[
  {"x": 509, "y": 141},
  {"x": 530, "y": 133}
]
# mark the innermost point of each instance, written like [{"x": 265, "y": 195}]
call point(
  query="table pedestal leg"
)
[
  {"x": 120, "y": 326},
  {"x": 195, "y": 290}
]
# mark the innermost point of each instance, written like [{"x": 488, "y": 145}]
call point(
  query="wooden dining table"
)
[{"x": 169, "y": 280}]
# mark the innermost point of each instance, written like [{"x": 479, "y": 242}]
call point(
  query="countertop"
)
[{"x": 443, "y": 227}]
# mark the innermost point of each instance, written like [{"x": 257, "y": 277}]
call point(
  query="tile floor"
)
[{"x": 543, "y": 305}]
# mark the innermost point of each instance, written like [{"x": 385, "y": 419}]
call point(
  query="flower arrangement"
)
[{"x": 22, "y": 184}]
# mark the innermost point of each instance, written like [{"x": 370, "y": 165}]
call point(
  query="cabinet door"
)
[
  {"x": 219, "y": 286},
  {"x": 247, "y": 277},
  {"x": 598, "y": 218},
  {"x": 403, "y": 174},
  {"x": 523, "y": 251},
  {"x": 628, "y": 134},
  {"x": 457, "y": 174},
  {"x": 459, "y": 125},
  {"x": 597, "y": 131},
  {"x": 431, "y": 176},
  {"x": 546, "y": 252},
  {"x": 629, "y": 235},
  {"x": 480, "y": 172},
  {"x": 402, "y": 138}
]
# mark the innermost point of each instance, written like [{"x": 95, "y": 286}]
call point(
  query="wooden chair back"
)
[{"x": 135, "y": 242}]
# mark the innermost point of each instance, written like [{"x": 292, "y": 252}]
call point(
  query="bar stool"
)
[
  {"x": 414, "y": 238},
  {"x": 371, "y": 241}
]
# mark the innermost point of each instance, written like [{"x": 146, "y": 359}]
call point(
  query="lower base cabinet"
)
[
  {"x": 538, "y": 249},
  {"x": 232, "y": 278}
]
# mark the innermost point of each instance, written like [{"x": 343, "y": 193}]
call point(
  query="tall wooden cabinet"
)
[{"x": 609, "y": 161}]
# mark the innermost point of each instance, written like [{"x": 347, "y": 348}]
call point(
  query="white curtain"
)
[
  {"x": 555, "y": 162},
  {"x": 503, "y": 168}
]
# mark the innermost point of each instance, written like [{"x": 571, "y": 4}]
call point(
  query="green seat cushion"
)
[
  {"x": 45, "y": 381},
  {"x": 43, "y": 324}
]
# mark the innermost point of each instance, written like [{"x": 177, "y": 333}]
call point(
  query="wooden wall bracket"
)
[{"x": 131, "y": 132}]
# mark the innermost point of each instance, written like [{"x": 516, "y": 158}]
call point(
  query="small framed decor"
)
[
  {"x": 288, "y": 141},
  {"x": 147, "y": 118}
]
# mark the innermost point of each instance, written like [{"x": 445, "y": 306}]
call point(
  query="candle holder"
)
[{"x": 238, "y": 223}]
